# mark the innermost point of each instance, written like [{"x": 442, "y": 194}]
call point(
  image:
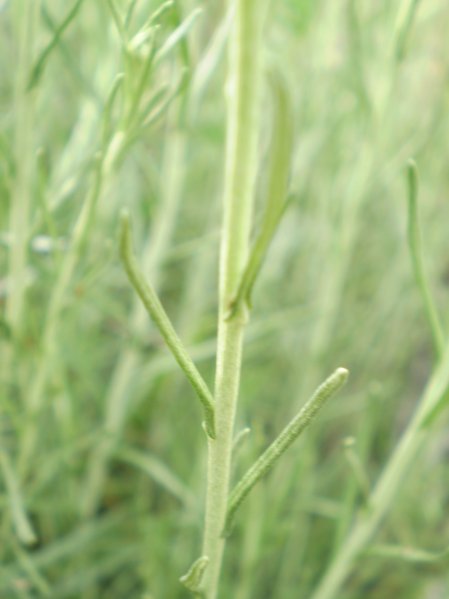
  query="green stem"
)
[
  {"x": 23, "y": 527},
  {"x": 26, "y": 15},
  {"x": 122, "y": 381},
  {"x": 36, "y": 394},
  {"x": 388, "y": 486},
  {"x": 241, "y": 164}
]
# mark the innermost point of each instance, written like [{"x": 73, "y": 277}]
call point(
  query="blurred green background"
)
[{"x": 106, "y": 105}]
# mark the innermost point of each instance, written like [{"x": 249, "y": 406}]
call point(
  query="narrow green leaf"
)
[
  {"x": 38, "y": 68},
  {"x": 416, "y": 254},
  {"x": 117, "y": 20},
  {"x": 130, "y": 13},
  {"x": 439, "y": 407},
  {"x": 290, "y": 433},
  {"x": 178, "y": 35},
  {"x": 357, "y": 468},
  {"x": 133, "y": 112},
  {"x": 409, "y": 554},
  {"x": 22, "y": 524},
  {"x": 156, "y": 311},
  {"x": 210, "y": 60},
  {"x": 26, "y": 562},
  {"x": 164, "y": 7},
  {"x": 144, "y": 37},
  {"x": 70, "y": 58},
  {"x": 158, "y": 471},
  {"x": 5, "y": 329},
  {"x": 404, "y": 26},
  {"x": 109, "y": 106},
  {"x": 159, "y": 110},
  {"x": 148, "y": 29},
  {"x": 279, "y": 169}
]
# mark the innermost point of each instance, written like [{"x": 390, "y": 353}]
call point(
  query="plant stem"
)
[
  {"x": 414, "y": 438},
  {"x": 26, "y": 15},
  {"x": 36, "y": 393},
  {"x": 241, "y": 164}
]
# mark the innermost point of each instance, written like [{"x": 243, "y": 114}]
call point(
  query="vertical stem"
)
[
  {"x": 116, "y": 402},
  {"x": 241, "y": 164},
  {"x": 26, "y": 15},
  {"x": 38, "y": 383}
]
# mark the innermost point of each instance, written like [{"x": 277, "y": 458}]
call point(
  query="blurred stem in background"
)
[
  {"x": 25, "y": 16},
  {"x": 121, "y": 385},
  {"x": 413, "y": 440},
  {"x": 375, "y": 121},
  {"x": 138, "y": 111},
  {"x": 49, "y": 341}
]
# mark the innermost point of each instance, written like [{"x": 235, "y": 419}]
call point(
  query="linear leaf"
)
[
  {"x": 290, "y": 433},
  {"x": 155, "y": 309}
]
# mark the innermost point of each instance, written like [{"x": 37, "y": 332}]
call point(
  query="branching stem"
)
[{"x": 243, "y": 85}]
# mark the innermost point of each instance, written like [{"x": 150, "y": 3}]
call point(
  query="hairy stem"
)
[{"x": 241, "y": 164}]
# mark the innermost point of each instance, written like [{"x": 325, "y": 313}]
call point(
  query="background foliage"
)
[{"x": 102, "y": 455}]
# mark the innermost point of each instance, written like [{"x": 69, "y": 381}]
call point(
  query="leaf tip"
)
[
  {"x": 412, "y": 174},
  {"x": 342, "y": 374},
  {"x": 124, "y": 217}
]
